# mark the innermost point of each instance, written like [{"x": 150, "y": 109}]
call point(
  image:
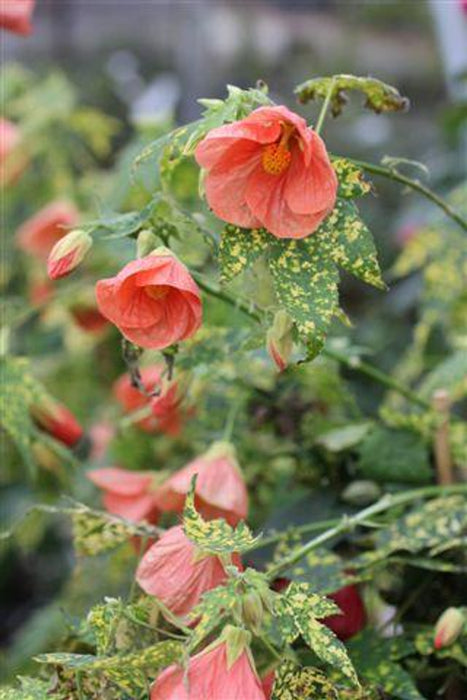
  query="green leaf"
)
[
  {"x": 394, "y": 455},
  {"x": 30, "y": 689},
  {"x": 305, "y": 281},
  {"x": 450, "y": 374},
  {"x": 324, "y": 570},
  {"x": 457, "y": 651},
  {"x": 294, "y": 682},
  {"x": 297, "y": 612},
  {"x": 215, "y": 536},
  {"x": 239, "y": 248},
  {"x": 339, "y": 439},
  {"x": 128, "y": 671},
  {"x": 352, "y": 182},
  {"x": 375, "y": 660},
  {"x": 353, "y": 247},
  {"x": 380, "y": 97},
  {"x": 213, "y": 607}
]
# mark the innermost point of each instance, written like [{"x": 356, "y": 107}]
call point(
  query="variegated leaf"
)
[
  {"x": 352, "y": 182},
  {"x": 239, "y": 248},
  {"x": 294, "y": 682}
]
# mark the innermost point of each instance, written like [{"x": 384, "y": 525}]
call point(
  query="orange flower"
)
[
  {"x": 153, "y": 301},
  {"x": 220, "y": 488},
  {"x": 12, "y": 160},
  {"x": 165, "y": 408},
  {"x": 38, "y": 234},
  {"x": 268, "y": 170},
  {"x": 57, "y": 420},
  {"x": 131, "y": 495},
  {"x": 15, "y": 15},
  {"x": 177, "y": 573},
  {"x": 223, "y": 671}
]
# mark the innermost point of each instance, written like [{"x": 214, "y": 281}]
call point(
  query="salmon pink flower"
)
[
  {"x": 38, "y": 234},
  {"x": 220, "y": 488},
  {"x": 15, "y": 15},
  {"x": 178, "y": 573},
  {"x": 267, "y": 683},
  {"x": 88, "y": 318},
  {"x": 57, "y": 420},
  {"x": 131, "y": 495},
  {"x": 353, "y": 617},
  {"x": 12, "y": 160},
  {"x": 268, "y": 170},
  {"x": 101, "y": 435},
  {"x": 67, "y": 253},
  {"x": 223, "y": 671},
  {"x": 153, "y": 301},
  {"x": 164, "y": 412}
]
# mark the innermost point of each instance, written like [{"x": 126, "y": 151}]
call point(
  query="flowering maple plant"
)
[{"x": 224, "y": 601}]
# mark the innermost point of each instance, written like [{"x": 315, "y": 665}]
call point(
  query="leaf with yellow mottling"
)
[{"x": 239, "y": 248}]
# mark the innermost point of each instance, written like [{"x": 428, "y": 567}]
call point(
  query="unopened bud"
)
[
  {"x": 361, "y": 493},
  {"x": 252, "y": 611},
  {"x": 449, "y": 626},
  {"x": 67, "y": 253},
  {"x": 57, "y": 420},
  {"x": 279, "y": 340},
  {"x": 145, "y": 243},
  {"x": 45, "y": 457}
]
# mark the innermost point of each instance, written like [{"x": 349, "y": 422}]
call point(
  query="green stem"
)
[
  {"x": 394, "y": 175},
  {"x": 300, "y": 530},
  {"x": 230, "y": 422},
  {"x": 325, "y": 106},
  {"x": 350, "y": 362},
  {"x": 348, "y": 523}
]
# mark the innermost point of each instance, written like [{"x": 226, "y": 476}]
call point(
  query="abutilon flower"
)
[
  {"x": 448, "y": 627},
  {"x": 12, "y": 161},
  {"x": 220, "y": 487},
  {"x": 101, "y": 435},
  {"x": 165, "y": 410},
  {"x": 178, "y": 573},
  {"x": 131, "y": 495},
  {"x": 67, "y": 253},
  {"x": 353, "y": 617},
  {"x": 279, "y": 340},
  {"x": 153, "y": 301},
  {"x": 88, "y": 317},
  {"x": 268, "y": 170},
  {"x": 39, "y": 234},
  {"x": 57, "y": 420},
  {"x": 223, "y": 671},
  {"x": 15, "y": 15}
]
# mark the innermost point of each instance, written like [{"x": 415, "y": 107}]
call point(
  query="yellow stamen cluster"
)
[{"x": 276, "y": 158}]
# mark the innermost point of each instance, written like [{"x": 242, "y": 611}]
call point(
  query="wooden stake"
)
[{"x": 441, "y": 404}]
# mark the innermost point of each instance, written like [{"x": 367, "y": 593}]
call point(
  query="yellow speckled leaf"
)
[
  {"x": 293, "y": 682},
  {"x": 239, "y": 248},
  {"x": 352, "y": 182}
]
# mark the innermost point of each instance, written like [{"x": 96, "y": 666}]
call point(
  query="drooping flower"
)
[
  {"x": 153, "y": 301},
  {"x": 178, "y": 573},
  {"x": 223, "y": 671},
  {"x": 38, "y": 234},
  {"x": 220, "y": 488},
  {"x": 353, "y": 617},
  {"x": 67, "y": 253},
  {"x": 131, "y": 495},
  {"x": 12, "y": 159},
  {"x": 57, "y": 420},
  {"x": 15, "y": 15},
  {"x": 448, "y": 627},
  {"x": 268, "y": 170},
  {"x": 88, "y": 317},
  {"x": 164, "y": 413},
  {"x": 279, "y": 340}
]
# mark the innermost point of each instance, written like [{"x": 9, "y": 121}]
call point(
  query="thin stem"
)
[
  {"x": 325, "y": 106},
  {"x": 392, "y": 174},
  {"x": 300, "y": 530},
  {"x": 350, "y": 522},
  {"x": 230, "y": 422},
  {"x": 350, "y": 362}
]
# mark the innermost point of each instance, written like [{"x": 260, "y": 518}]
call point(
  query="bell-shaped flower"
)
[
  {"x": 38, "y": 235},
  {"x": 131, "y": 495}
]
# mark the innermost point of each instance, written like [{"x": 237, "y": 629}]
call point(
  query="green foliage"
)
[
  {"x": 298, "y": 611},
  {"x": 239, "y": 248},
  {"x": 293, "y": 682},
  {"x": 339, "y": 439},
  {"x": 215, "y": 536},
  {"x": 29, "y": 689},
  {"x": 402, "y": 456},
  {"x": 377, "y": 662},
  {"x": 352, "y": 181},
  {"x": 457, "y": 651},
  {"x": 380, "y": 97}
]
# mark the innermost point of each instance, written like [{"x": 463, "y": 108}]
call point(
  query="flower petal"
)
[{"x": 313, "y": 188}]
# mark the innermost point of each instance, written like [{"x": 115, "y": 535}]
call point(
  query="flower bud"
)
[
  {"x": 252, "y": 611},
  {"x": 145, "y": 243},
  {"x": 57, "y": 420},
  {"x": 279, "y": 341},
  {"x": 449, "y": 626},
  {"x": 361, "y": 492},
  {"x": 67, "y": 253}
]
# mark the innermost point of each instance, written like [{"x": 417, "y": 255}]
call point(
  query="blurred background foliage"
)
[{"x": 94, "y": 85}]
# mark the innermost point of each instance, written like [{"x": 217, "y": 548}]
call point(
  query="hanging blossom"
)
[
  {"x": 223, "y": 671},
  {"x": 268, "y": 170},
  {"x": 153, "y": 301},
  {"x": 131, "y": 495},
  {"x": 38, "y": 235},
  {"x": 220, "y": 487},
  {"x": 178, "y": 573},
  {"x": 15, "y": 15},
  {"x": 164, "y": 410}
]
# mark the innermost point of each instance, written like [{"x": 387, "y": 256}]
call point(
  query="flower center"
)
[
  {"x": 276, "y": 157},
  {"x": 157, "y": 291}
]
